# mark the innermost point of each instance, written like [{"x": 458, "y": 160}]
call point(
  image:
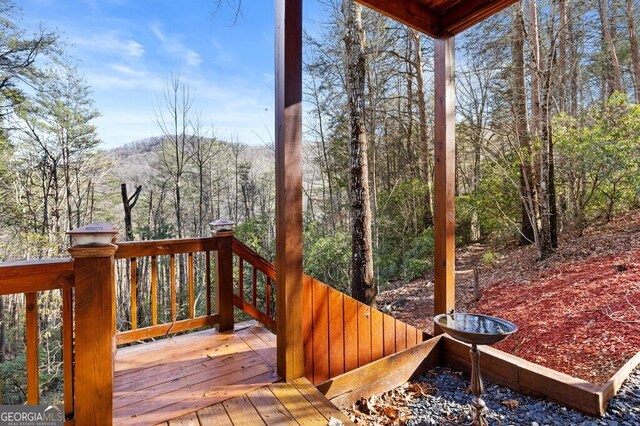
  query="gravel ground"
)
[{"x": 449, "y": 405}]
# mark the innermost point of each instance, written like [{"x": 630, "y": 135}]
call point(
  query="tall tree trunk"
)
[
  {"x": 615, "y": 77},
  {"x": 363, "y": 287},
  {"x": 548, "y": 210},
  {"x": 527, "y": 188},
  {"x": 563, "y": 54},
  {"x": 128, "y": 203},
  {"x": 633, "y": 44},
  {"x": 424, "y": 139},
  {"x": 574, "y": 67},
  {"x": 325, "y": 155},
  {"x": 66, "y": 166},
  {"x": 534, "y": 39}
]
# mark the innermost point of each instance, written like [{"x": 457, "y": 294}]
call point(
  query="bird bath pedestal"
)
[{"x": 475, "y": 329}]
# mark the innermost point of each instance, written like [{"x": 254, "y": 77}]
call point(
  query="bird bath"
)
[{"x": 475, "y": 329}]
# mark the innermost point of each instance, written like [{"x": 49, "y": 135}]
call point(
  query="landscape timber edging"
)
[
  {"x": 533, "y": 379},
  {"x": 500, "y": 367}
]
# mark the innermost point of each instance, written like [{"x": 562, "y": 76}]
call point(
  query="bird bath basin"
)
[{"x": 475, "y": 329}]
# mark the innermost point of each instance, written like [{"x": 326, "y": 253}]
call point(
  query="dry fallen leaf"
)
[
  {"x": 420, "y": 388},
  {"x": 511, "y": 404}
]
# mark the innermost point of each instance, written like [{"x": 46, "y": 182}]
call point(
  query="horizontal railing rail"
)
[
  {"x": 257, "y": 301},
  {"x": 31, "y": 278},
  {"x": 164, "y": 270},
  {"x": 35, "y": 275}
]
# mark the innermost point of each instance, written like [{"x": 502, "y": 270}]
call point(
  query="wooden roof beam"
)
[
  {"x": 409, "y": 12},
  {"x": 466, "y": 14}
]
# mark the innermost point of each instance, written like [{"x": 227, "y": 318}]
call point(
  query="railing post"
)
[
  {"x": 94, "y": 325},
  {"x": 223, "y": 231}
]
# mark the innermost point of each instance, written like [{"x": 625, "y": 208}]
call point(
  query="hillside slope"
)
[{"x": 578, "y": 311}]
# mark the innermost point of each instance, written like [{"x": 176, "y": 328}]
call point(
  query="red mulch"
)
[
  {"x": 580, "y": 318},
  {"x": 578, "y": 312}
]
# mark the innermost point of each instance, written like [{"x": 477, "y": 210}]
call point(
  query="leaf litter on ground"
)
[{"x": 389, "y": 408}]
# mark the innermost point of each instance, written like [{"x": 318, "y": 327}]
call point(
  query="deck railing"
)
[
  {"x": 339, "y": 333},
  {"x": 257, "y": 300},
  {"x": 87, "y": 282},
  {"x": 190, "y": 266},
  {"x": 31, "y": 278}
]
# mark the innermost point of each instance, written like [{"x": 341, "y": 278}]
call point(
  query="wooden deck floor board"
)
[
  {"x": 211, "y": 378},
  {"x": 214, "y": 415},
  {"x": 167, "y": 354},
  {"x": 242, "y": 412},
  {"x": 299, "y": 407},
  {"x": 270, "y": 408},
  {"x": 266, "y": 351},
  {"x": 188, "y": 420},
  {"x": 157, "y": 376},
  {"x": 190, "y": 386},
  {"x": 322, "y": 404}
]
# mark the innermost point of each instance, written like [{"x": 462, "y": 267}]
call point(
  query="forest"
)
[{"x": 547, "y": 143}]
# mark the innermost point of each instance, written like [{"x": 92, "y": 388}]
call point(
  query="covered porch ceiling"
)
[{"x": 438, "y": 18}]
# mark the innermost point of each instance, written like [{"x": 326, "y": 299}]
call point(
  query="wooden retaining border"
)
[
  {"x": 384, "y": 374},
  {"x": 532, "y": 379},
  {"x": 612, "y": 386},
  {"x": 499, "y": 367}
]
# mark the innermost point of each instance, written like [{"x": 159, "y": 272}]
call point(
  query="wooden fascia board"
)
[
  {"x": 408, "y": 12},
  {"x": 467, "y": 14}
]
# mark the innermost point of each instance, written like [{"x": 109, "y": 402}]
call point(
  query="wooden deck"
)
[
  {"x": 295, "y": 403},
  {"x": 212, "y": 378}
]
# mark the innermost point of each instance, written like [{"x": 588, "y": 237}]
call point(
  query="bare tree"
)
[
  {"x": 422, "y": 129},
  {"x": 614, "y": 79},
  {"x": 173, "y": 117}
]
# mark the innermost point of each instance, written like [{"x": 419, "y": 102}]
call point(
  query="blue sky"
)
[{"x": 128, "y": 48}]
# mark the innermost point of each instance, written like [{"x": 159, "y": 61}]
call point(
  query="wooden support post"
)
[
  {"x": 444, "y": 197},
  {"x": 33, "y": 339},
  {"x": 95, "y": 333},
  {"x": 224, "y": 280},
  {"x": 289, "y": 188}
]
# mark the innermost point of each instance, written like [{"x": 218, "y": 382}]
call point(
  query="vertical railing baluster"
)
[
  {"x": 172, "y": 280},
  {"x": 268, "y": 296},
  {"x": 208, "y": 279},
  {"x": 255, "y": 287},
  {"x": 33, "y": 391},
  {"x": 154, "y": 290},
  {"x": 134, "y": 293},
  {"x": 192, "y": 306},
  {"x": 240, "y": 278}
]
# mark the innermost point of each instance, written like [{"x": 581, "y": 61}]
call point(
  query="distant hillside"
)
[{"x": 134, "y": 160}]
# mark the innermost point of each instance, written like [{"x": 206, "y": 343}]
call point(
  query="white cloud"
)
[
  {"x": 123, "y": 69},
  {"x": 110, "y": 42},
  {"x": 123, "y": 78},
  {"x": 172, "y": 44}
]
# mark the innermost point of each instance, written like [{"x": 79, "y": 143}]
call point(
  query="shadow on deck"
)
[{"x": 212, "y": 378}]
